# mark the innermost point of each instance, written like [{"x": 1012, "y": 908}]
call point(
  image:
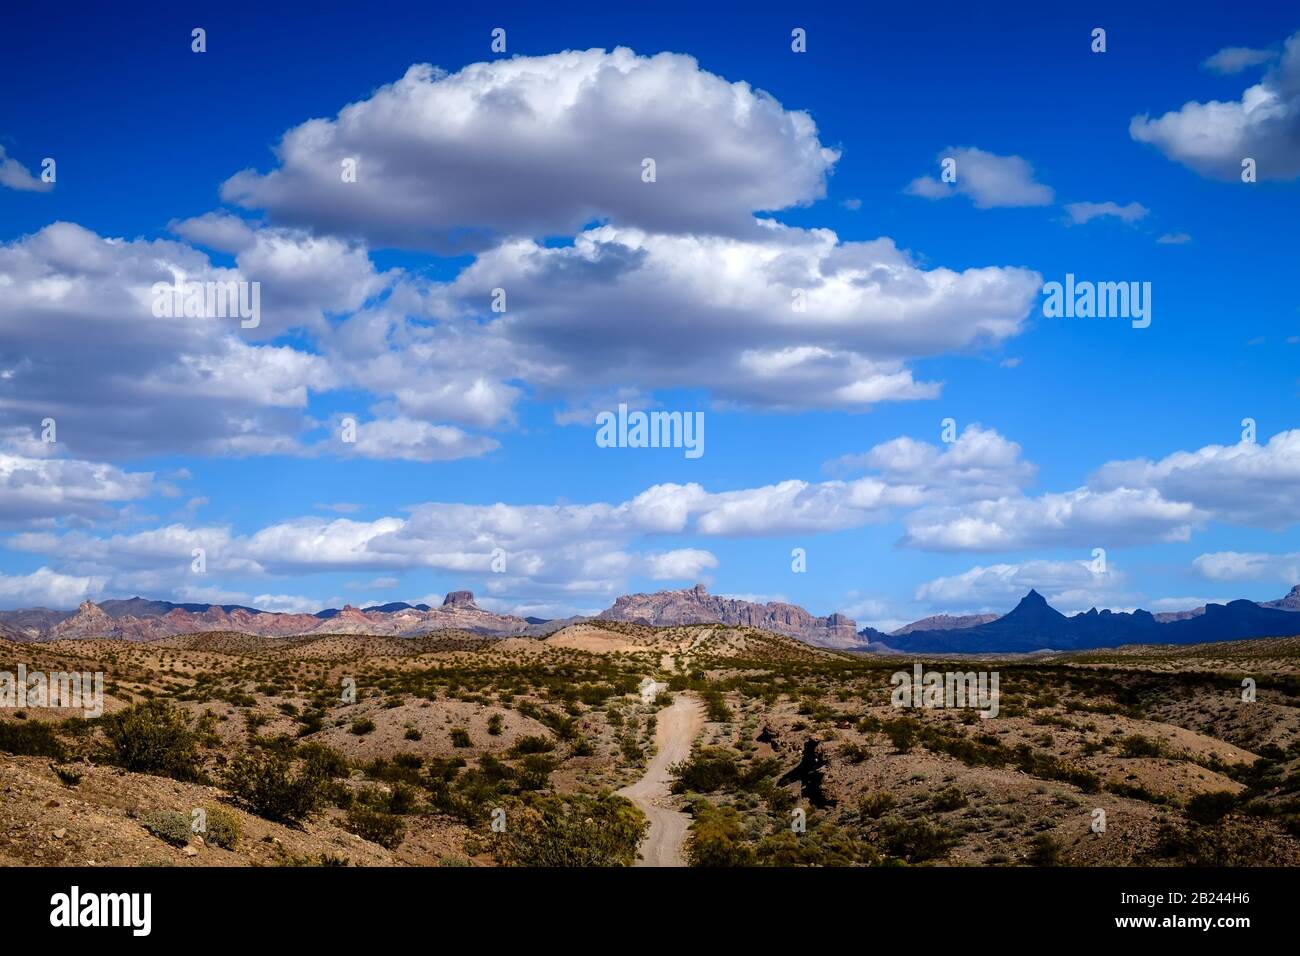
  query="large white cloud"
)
[
  {"x": 47, "y": 488},
  {"x": 1213, "y": 138},
  {"x": 46, "y": 588},
  {"x": 1248, "y": 566},
  {"x": 1083, "y": 517},
  {"x": 79, "y": 343},
  {"x": 540, "y": 146},
  {"x": 1247, "y": 483},
  {"x": 980, "y": 463},
  {"x": 791, "y": 318}
]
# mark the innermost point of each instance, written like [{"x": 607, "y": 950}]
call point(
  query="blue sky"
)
[{"x": 823, "y": 429}]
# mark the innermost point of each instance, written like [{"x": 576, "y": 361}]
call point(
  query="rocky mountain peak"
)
[{"x": 459, "y": 598}]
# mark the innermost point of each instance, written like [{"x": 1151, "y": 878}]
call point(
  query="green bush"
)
[
  {"x": 460, "y": 737},
  {"x": 950, "y": 799},
  {"x": 917, "y": 841},
  {"x": 1210, "y": 807},
  {"x": 362, "y": 726},
  {"x": 265, "y": 781},
  {"x": 716, "y": 705},
  {"x": 222, "y": 828},
  {"x": 572, "y": 831},
  {"x": 875, "y": 805},
  {"x": 1044, "y": 851},
  {"x": 1138, "y": 746},
  {"x": 167, "y": 825},
  {"x": 323, "y": 761},
  {"x": 30, "y": 739},
  {"x": 717, "y": 838},
  {"x": 154, "y": 737},
  {"x": 706, "y": 770},
  {"x": 531, "y": 745},
  {"x": 495, "y": 724},
  {"x": 386, "y": 829}
]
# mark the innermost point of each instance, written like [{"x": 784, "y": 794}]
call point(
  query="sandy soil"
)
[{"x": 677, "y": 727}]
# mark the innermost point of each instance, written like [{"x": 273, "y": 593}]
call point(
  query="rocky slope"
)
[
  {"x": 137, "y": 619},
  {"x": 697, "y": 606},
  {"x": 945, "y": 622}
]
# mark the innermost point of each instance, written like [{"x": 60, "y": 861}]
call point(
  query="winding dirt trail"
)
[{"x": 677, "y": 726}]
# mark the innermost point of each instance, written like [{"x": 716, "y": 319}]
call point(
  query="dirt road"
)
[{"x": 678, "y": 725}]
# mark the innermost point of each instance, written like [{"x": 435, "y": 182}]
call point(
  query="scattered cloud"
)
[
  {"x": 1246, "y": 484},
  {"x": 1249, "y": 566},
  {"x": 1234, "y": 59},
  {"x": 987, "y": 179},
  {"x": 1082, "y": 212},
  {"x": 684, "y": 564},
  {"x": 15, "y": 175},
  {"x": 1214, "y": 138},
  {"x": 1082, "y": 518}
]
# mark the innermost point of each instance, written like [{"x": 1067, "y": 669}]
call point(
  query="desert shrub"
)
[
  {"x": 716, "y": 706},
  {"x": 167, "y": 825},
  {"x": 1222, "y": 844},
  {"x": 572, "y": 831},
  {"x": 222, "y": 828},
  {"x": 154, "y": 737},
  {"x": 875, "y": 805},
  {"x": 706, "y": 770},
  {"x": 70, "y": 776},
  {"x": 362, "y": 726},
  {"x": 460, "y": 737},
  {"x": 495, "y": 724},
  {"x": 824, "y": 845},
  {"x": 265, "y": 781},
  {"x": 323, "y": 761},
  {"x": 901, "y": 734},
  {"x": 531, "y": 745},
  {"x": 402, "y": 799},
  {"x": 535, "y": 771},
  {"x": 631, "y": 749},
  {"x": 950, "y": 799},
  {"x": 581, "y": 748},
  {"x": 916, "y": 841},
  {"x": 1210, "y": 807},
  {"x": 311, "y": 721},
  {"x": 717, "y": 838},
  {"x": 30, "y": 739},
  {"x": 377, "y": 826},
  {"x": 853, "y": 753},
  {"x": 412, "y": 734},
  {"x": 1044, "y": 851},
  {"x": 1136, "y": 745}
]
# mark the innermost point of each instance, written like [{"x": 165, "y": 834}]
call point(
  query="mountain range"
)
[
  {"x": 1035, "y": 625},
  {"x": 1032, "y": 625}
]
